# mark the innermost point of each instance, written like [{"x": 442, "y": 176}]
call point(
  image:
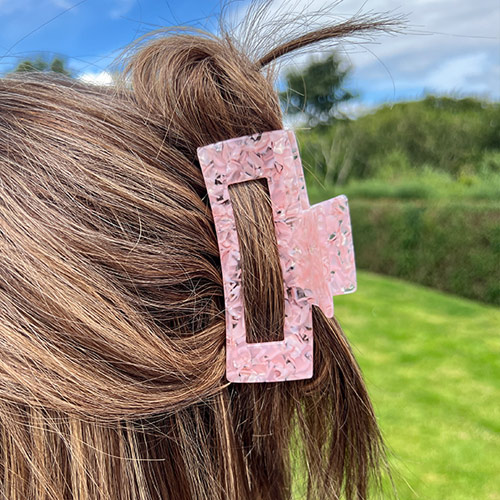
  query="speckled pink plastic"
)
[{"x": 314, "y": 244}]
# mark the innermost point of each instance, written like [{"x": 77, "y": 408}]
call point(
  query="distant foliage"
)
[
  {"x": 460, "y": 137},
  {"x": 422, "y": 178},
  {"x": 424, "y": 184},
  {"x": 452, "y": 246},
  {"x": 317, "y": 91},
  {"x": 56, "y": 65}
]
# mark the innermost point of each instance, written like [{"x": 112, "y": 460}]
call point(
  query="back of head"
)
[{"x": 112, "y": 328}]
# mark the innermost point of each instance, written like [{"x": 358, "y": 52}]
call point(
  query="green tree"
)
[
  {"x": 56, "y": 65},
  {"x": 317, "y": 90},
  {"x": 456, "y": 137}
]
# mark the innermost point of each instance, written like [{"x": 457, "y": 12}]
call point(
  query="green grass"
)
[
  {"x": 432, "y": 365},
  {"x": 422, "y": 184}
]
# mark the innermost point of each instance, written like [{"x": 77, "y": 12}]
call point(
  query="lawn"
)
[{"x": 432, "y": 365}]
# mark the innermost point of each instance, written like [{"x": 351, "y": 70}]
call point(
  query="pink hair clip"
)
[{"x": 314, "y": 244}]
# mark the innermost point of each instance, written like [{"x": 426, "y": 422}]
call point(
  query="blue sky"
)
[
  {"x": 449, "y": 46},
  {"x": 90, "y": 32}
]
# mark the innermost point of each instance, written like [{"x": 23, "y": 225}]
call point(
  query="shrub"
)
[
  {"x": 451, "y": 246},
  {"x": 459, "y": 137}
]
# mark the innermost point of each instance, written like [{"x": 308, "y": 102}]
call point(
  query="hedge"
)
[{"x": 451, "y": 246}]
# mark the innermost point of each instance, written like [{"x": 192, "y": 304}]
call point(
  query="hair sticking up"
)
[
  {"x": 355, "y": 26},
  {"x": 112, "y": 328}
]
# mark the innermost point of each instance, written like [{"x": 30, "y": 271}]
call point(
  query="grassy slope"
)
[{"x": 432, "y": 365}]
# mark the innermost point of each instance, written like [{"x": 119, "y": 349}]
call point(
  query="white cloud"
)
[
  {"x": 355, "y": 108},
  {"x": 447, "y": 45},
  {"x": 102, "y": 78},
  {"x": 460, "y": 70}
]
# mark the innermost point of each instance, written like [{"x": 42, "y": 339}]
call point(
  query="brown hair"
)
[{"x": 112, "y": 328}]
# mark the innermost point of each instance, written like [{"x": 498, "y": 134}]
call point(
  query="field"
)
[{"x": 432, "y": 365}]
